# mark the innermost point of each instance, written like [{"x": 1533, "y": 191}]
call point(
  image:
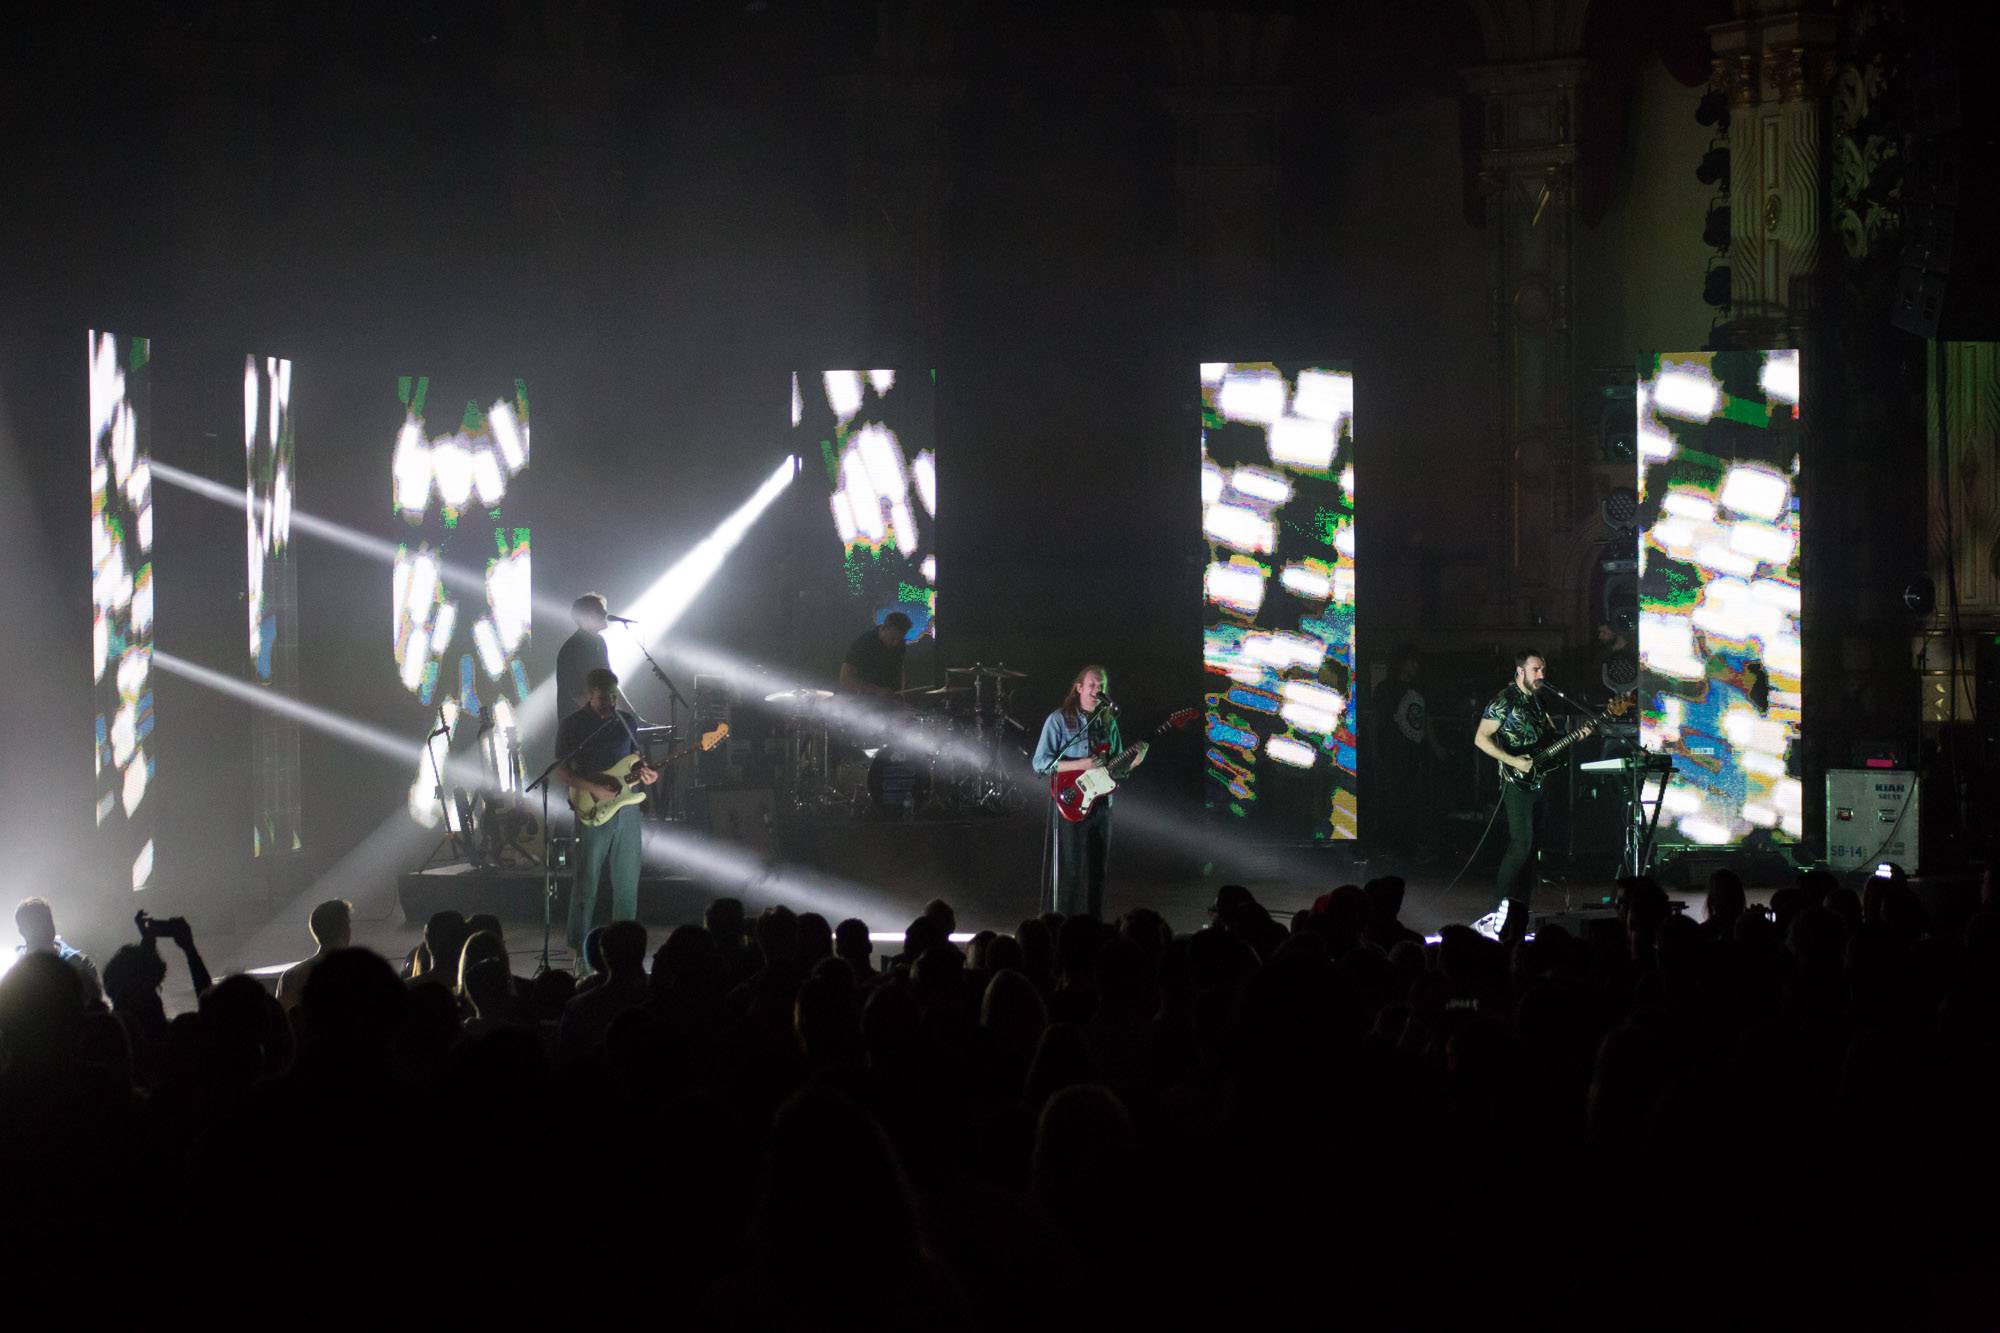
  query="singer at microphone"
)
[
  {"x": 582, "y": 652},
  {"x": 621, "y": 620},
  {"x": 1081, "y": 734},
  {"x": 1513, "y": 729}
]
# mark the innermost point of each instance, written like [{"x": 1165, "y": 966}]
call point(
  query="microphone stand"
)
[
  {"x": 1569, "y": 823},
  {"x": 548, "y": 861},
  {"x": 458, "y": 850},
  {"x": 1049, "y": 843},
  {"x": 675, "y": 702}
]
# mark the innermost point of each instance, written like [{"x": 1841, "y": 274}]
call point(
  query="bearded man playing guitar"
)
[
  {"x": 595, "y": 737},
  {"x": 1512, "y": 729},
  {"x": 1082, "y": 734}
]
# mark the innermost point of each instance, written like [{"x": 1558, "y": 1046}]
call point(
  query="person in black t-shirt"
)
[
  {"x": 1514, "y": 723},
  {"x": 582, "y": 652},
  {"x": 600, "y": 734},
  {"x": 1406, "y": 745},
  {"x": 874, "y": 661}
]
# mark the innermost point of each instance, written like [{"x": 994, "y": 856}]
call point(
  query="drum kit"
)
[{"x": 947, "y": 752}]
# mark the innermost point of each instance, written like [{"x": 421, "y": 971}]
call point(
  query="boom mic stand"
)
[
  {"x": 675, "y": 702},
  {"x": 1049, "y": 842},
  {"x": 1569, "y": 796}
]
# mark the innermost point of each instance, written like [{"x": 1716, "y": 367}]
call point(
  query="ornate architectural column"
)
[
  {"x": 1527, "y": 161},
  {"x": 1773, "y": 64}
]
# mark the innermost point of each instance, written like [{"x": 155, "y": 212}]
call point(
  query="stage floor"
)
[{"x": 1166, "y": 858}]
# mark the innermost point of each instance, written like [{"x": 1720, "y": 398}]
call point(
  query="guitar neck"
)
[{"x": 1556, "y": 747}]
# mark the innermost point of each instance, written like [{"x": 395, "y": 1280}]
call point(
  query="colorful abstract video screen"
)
[
  {"x": 868, "y": 436},
  {"x": 121, "y": 595},
  {"x": 1720, "y": 668},
  {"x": 462, "y": 592},
  {"x": 271, "y": 598},
  {"x": 1277, "y": 512}
]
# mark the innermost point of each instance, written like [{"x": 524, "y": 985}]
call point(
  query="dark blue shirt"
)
[{"x": 604, "y": 749}]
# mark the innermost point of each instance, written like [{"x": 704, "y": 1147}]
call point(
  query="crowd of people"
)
[{"x": 758, "y": 1122}]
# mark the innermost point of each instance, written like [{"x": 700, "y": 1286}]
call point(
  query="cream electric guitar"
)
[{"x": 622, "y": 777}]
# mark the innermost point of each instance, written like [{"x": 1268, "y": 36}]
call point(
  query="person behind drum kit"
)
[
  {"x": 1081, "y": 734},
  {"x": 874, "y": 661}
]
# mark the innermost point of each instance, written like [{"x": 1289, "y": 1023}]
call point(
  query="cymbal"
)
[
  {"x": 800, "y": 697},
  {"x": 1000, "y": 670},
  {"x": 942, "y": 691}
]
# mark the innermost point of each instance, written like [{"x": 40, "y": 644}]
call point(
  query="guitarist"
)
[
  {"x": 1514, "y": 723},
  {"x": 595, "y": 737},
  {"x": 1081, "y": 734}
]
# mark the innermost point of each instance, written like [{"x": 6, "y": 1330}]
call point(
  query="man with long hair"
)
[{"x": 1081, "y": 734}]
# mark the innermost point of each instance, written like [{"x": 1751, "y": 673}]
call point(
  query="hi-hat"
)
[
  {"x": 999, "y": 669},
  {"x": 800, "y": 696}
]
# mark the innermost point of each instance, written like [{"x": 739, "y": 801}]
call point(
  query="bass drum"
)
[{"x": 899, "y": 784}]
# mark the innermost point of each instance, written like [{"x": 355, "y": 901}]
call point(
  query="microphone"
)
[
  {"x": 441, "y": 731},
  {"x": 1106, "y": 704},
  {"x": 621, "y": 620}
]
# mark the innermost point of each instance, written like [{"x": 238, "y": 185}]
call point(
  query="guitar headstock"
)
[
  {"x": 711, "y": 739},
  {"x": 1183, "y": 717},
  {"x": 1622, "y": 705}
]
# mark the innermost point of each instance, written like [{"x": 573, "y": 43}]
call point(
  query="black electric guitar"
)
[{"x": 1546, "y": 755}]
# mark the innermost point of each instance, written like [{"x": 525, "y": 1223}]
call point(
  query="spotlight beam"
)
[
  {"x": 669, "y": 596},
  {"x": 666, "y": 599},
  {"x": 337, "y": 534},
  {"x": 755, "y": 876},
  {"x": 362, "y": 735},
  {"x": 384, "y": 851},
  {"x": 853, "y": 717},
  {"x": 1145, "y": 814}
]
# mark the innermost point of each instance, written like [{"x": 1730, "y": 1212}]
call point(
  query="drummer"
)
[{"x": 874, "y": 662}]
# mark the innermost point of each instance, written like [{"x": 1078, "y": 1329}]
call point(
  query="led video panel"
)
[
  {"x": 1277, "y": 512},
  {"x": 871, "y": 431},
  {"x": 460, "y": 651},
  {"x": 1720, "y": 667},
  {"x": 271, "y": 587},
  {"x": 121, "y": 594}
]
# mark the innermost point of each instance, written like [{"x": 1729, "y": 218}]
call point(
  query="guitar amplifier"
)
[
  {"x": 741, "y": 815},
  {"x": 714, "y": 702}
]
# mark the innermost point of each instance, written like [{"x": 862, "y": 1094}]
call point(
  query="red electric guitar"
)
[{"x": 1075, "y": 792}]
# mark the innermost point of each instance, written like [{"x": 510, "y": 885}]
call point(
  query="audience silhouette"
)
[{"x": 1079, "y": 1121}]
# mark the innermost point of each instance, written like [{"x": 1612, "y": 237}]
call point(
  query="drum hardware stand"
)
[{"x": 460, "y": 851}]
